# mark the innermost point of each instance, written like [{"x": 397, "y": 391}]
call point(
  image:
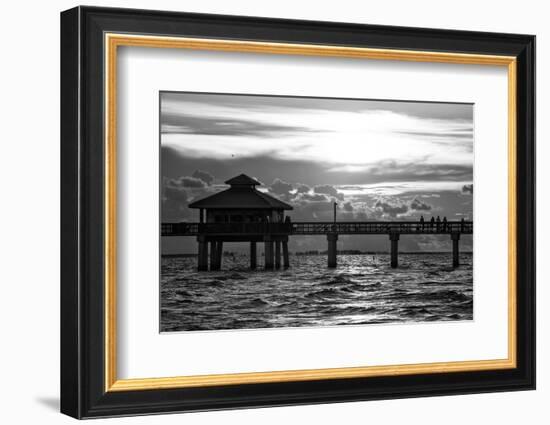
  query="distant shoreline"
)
[{"x": 304, "y": 254}]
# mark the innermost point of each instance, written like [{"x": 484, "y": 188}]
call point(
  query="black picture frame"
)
[{"x": 83, "y": 392}]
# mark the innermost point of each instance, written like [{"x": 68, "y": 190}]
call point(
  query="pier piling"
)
[
  {"x": 455, "y": 237},
  {"x": 253, "y": 255},
  {"x": 332, "y": 239},
  {"x": 203, "y": 253},
  {"x": 394, "y": 238},
  {"x": 220, "y": 255},
  {"x": 216, "y": 250},
  {"x": 286, "y": 263},
  {"x": 213, "y": 255},
  {"x": 277, "y": 254},
  {"x": 268, "y": 253}
]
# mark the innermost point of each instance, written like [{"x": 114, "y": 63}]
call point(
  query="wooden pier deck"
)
[
  {"x": 319, "y": 228},
  {"x": 276, "y": 234}
]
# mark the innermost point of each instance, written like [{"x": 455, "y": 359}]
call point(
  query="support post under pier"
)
[
  {"x": 286, "y": 263},
  {"x": 268, "y": 253},
  {"x": 213, "y": 252},
  {"x": 220, "y": 254},
  {"x": 253, "y": 259},
  {"x": 277, "y": 254},
  {"x": 216, "y": 255},
  {"x": 455, "y": 238},
  {"x": 202, "y": 254},
  {"x": 394, "y": 238},
  {"x": 332, "y": 239}
]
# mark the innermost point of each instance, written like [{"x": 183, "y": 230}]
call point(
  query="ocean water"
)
[{"x": 363, "y": 289}]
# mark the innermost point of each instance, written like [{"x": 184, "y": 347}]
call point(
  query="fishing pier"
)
[{"x": 244, "y": 214}]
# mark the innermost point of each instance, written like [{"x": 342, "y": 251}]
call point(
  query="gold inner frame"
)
[{"x": 113, "y": 41}]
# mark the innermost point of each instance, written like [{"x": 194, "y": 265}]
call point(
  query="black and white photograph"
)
[
  {"x": 274, "y": 208},
  {"x": 282, "y": 211}
]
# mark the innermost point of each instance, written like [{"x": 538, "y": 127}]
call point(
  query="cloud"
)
[
  {"x": 392, "y": 171},
  {"x": 175, "y": 193},
  {"x": 174, "y": 123},
  {"x": 205, "y": 176},
  {"x": 178, "y": 192},
  {"x": 348, "y": 206},
  {"x": 468, "y": 188},
  {"x": 407, "y": 137},
  {"x": 308, "y": 197},
  {"x": 361, "y": 216},
  {"x": 328, "y": 189},
  {"x": 190, "y": 182},
  {"x": 314, "y": 206},
  {"x": 280, "y": 187},
  {"x": 314, "y": 210},
  {"x": 419, "y": 205},
  {"x": 391, "y": 209},
  {"x": 458, "y": 133},
  {"x": 174, "y": 201},
  {"x": 302, "y": 188},
  {"x": 453, "y": 112},
  {"x": 400, "y": 176}
]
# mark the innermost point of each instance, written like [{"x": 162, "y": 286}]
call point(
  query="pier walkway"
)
[
  {"x": 319, "y": 228},
  {"x": 277, "y": 233}
]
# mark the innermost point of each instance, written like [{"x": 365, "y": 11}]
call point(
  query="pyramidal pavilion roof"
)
[
  {"x": 242, "y": 194},
  {"x": 243, "y": 180}
]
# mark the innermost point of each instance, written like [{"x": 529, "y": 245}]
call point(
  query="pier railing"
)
[
  {"x": 318, "y": 228},
  {"x": 191, "y": 229},
  {"x": 381, "y": 228}
]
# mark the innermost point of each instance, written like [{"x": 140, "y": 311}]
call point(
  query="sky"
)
[{"x": 379, "y": 160}]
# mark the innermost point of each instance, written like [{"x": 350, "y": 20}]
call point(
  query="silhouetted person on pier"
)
[
  {"x": 462, "y": 224},
  {"x": 444, "y": 224},
  {"x": 432, "y": 222},
  {"x": 438, "y": 223},
  {"x": 422, "y": 222}
]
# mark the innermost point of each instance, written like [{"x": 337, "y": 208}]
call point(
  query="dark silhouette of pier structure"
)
[{"x": 244, "y": 214}]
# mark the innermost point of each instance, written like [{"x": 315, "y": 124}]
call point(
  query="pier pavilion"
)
[{"x": 242, "y": 213}]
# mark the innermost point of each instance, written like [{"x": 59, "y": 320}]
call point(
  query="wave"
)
[
  {"x": 432, "y": 282},
  {"x": 212, "y": 282},
  {"x": 337, "y": 280},
  {"x": 255, "y": 302},
  {"x": 328, "y": 292},
  {"x": 232, "y": 276},
  {"x": 446, "y": 295},
  {"x": 308, "y": 294}
]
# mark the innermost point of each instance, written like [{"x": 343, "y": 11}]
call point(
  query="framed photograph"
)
[{"x": 261, "y": 212}]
